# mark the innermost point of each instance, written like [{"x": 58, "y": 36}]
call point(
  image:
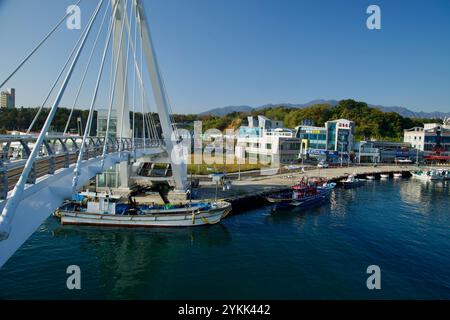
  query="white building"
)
[
  {"x": 263, "y": 122},
  {"x": 415, "y": 136},
  {"x": 264, "y": 140},
  {"x": 8, "y": 99},
  {"x": 433, "y": 139}
]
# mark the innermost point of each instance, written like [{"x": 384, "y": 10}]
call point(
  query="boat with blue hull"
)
[{"x": 303, "y": 195}]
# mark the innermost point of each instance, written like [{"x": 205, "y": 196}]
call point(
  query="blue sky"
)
[{"x": 214, "y": 53}]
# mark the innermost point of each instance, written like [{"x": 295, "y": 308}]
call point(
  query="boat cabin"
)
[{"x": 100, "y": 202}]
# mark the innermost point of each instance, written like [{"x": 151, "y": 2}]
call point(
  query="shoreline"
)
[{"x": 249, "y": 192}]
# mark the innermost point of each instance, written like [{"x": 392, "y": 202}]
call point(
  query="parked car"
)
[{"x": 322, "y": 164}]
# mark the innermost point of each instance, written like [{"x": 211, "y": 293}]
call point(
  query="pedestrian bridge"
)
[
  {"x": 40, "y": 171},
  {"x": 50, "y": 183}
]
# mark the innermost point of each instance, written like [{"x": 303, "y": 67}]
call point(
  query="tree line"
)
[
  {"x": 19, "y": 119},
  {"x": 370, "y": 122}
]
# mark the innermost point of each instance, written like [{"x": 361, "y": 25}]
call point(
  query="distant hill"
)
[
  {"x": 226, "y": 110},
  {"x": 405, "y": 112},
  {"x": 412, "y": 114}
]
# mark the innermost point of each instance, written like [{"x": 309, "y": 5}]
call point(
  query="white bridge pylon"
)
[{"x": 32, "y": 200}]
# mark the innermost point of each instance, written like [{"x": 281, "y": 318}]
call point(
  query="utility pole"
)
[
  {"x": 80, "y": 126},
  {"x": 417, "y": 156}
]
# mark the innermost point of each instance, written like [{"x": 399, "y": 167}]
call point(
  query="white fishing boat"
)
[
  {"x": 106, "y": 210},
  {"x": 384, "y": 176},
  {"x": 445, "y": 173},
  {"x": 428, "y": 175},
  {"x": 398, "y": 175},
  {"x": 352, "y": 181},
  {"x": 370, "y": 177}
]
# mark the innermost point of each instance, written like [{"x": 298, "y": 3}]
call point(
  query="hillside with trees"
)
[{"x": 370, "y": 122}]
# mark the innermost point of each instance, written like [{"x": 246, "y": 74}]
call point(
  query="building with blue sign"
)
[
  {"x": 340, "y": 135},
  {"x": 330, "y": 142}
]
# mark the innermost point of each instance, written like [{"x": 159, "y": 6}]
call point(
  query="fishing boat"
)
[
  {"x": 305, "y": 194},
  {"x": 398, "y": 175},
  {"x": 370, "y": 177},
  {"x": 445, "y": 174},
  {"x": 384, "y": 176},
  {"x": 428, "y": 175},
  {"x": 91, "y": 208},
  {"x": 352, "y": 181}
]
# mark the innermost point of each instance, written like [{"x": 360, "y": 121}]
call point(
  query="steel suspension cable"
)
[
  {"x": 91, "y": 108},
  {"x": 119, "y": 48},
  {"x": 86, "y": 69},
  {"x": 37, "y": 47},
  {"x": 151, "y": 127},
  {"x": 134, "y": 90},
  {"x": 36, "y": 116},
  {"x": 125, "y": 82},
  {"x": 12, "y": 203}
]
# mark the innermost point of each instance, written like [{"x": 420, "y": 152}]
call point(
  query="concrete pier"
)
[{"x": 250, "y": 191}]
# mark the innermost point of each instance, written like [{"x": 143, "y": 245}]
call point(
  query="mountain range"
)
[{"x": 405, "y": 112}]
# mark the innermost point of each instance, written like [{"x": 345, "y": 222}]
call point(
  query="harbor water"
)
[{"x": 402, "y": 226}]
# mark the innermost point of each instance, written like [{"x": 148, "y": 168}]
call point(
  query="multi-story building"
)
[
  {"x": 340, "y": 135},
  {"x": 311, "y": 137},
  {"x": 415, "y": 136},
  {"x": 433, "y": 139},
  {"x": 262, "y": 139},
  {"x": 8, "y": 99},
  {"x": 327, "y": 142}
]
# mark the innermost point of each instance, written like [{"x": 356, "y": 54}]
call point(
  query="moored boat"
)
[
  {"x": 428, "y": 175},
  {"x": 107, "y": 210},
  {"x": 370, "y": 177},
  {"x": 352, "y": 181},
  {"x": 398, "y": 175},
  {"x": 445, "y": 173},
  {"x": 384, "y": 176},
  {"x": 304, "y": 194}
]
